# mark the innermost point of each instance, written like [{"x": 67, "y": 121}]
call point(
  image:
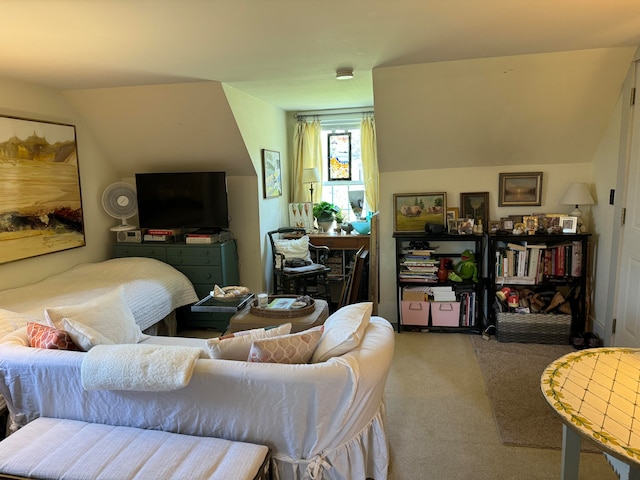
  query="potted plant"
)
[{"x": 325, "y": 214}]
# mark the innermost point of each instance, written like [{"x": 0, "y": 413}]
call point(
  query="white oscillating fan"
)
[{"x": 120, "y": 201}]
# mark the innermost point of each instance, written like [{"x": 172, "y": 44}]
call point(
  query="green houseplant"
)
[{"x": 325, "y": 214}]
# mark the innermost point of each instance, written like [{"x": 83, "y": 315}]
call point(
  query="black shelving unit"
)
[
  {"x": 445, "y": 246},
  {"x": 561, "y": 267}
]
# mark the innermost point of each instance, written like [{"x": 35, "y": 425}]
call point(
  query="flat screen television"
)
[{"x": 183, "y": 200}]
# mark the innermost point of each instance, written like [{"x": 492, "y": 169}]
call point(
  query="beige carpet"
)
[{"x": 511, "y": 373}]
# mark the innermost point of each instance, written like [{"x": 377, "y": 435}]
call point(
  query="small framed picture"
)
[
  {"x": 475, "y": 205},
  {"x": 494, "y": 226},
  {"x": 506, "y": 224},
  {"x": 271, "y": 174},
  {"x": 465, "y": 226},
  {"x": 452, "y": 216},
  {"x": 530, "y": 222},
  {"x": 569, "y": 224}
]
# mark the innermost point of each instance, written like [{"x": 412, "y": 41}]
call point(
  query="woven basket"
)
[
  {"x": 282, "y": 312},
  {"x": 533, "y": 328}
]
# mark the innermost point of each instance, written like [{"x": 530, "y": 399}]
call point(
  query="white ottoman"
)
[{"x": 50, "y": 448}]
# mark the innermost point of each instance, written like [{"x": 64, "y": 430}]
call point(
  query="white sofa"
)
[{"x": 320, "y": 420}]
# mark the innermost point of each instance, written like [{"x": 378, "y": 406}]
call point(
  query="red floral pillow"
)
[{"x": 44, "y": 336}]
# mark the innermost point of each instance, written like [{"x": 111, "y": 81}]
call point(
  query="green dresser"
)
[{"x": 204, "y": 265}]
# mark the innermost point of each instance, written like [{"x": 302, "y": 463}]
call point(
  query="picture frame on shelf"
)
[
  {"x": 569, "y": 224},
  {"x": 506, "y": 224},
  {"x": 519, "y": 189},
  {"x": 465, "y": 226},
  {"x": 41, "y": 160},
  {"x": 412, "y": 211},
  {"x": 494, "y": 226},
  {"x": 452, "y": 216},
  {"x": 475, "y": 205},
  {"x": 530, "y": 222},
  {"x": 271, "y": 174}
]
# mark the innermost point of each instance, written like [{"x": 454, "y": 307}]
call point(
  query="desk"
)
[{"x": 596, "y": 393}]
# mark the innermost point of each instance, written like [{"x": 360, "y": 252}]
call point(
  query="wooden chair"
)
[{"x": 288, "y": 246}]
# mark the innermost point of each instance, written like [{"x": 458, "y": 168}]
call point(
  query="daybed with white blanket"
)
[
  {"x": 322, "y": 420},
  {"x": 153, "y": 291}
]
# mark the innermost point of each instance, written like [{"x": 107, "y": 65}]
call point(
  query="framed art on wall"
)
[
  {"x": 412, "y": 211},
  {"x": 476, "y": 206},
  {"x": 520, "y": 189},
  {"x": 40, "y": 200},
  {"x": 271, "y": 174}
]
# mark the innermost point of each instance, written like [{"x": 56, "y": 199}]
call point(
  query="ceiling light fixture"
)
[{"x": 344, "y": 73}]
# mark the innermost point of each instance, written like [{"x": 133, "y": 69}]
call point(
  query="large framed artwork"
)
[
  {"x": 412, "y": 211},
  {"x": 40, "y": 198},
  {"x": 271, "y": 174},
  {"x": 520, "y": 189}
]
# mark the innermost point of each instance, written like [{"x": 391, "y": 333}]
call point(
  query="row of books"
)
[
  {"x": 418, "y": 266},
  {"x": 531, "y": 264}
]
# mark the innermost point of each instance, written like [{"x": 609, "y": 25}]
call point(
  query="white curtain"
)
[
  {"x": 307, "y": 153},
  {"x": 370, "y": 162}
]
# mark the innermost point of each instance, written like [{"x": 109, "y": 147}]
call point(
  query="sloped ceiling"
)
[
  {"x": 176, "y": 127},
  {"x": 515, "y": 110}
]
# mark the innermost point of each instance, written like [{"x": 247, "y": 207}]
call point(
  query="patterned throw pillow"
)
[
  {"x": 236, "y": 346},
  {"x": 292, "y": 348},
  {"x": 43, "y": 336}
]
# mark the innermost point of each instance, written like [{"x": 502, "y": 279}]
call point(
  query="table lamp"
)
[
  {"x": 310, "y": 176},
  {"x": 577, "y": 194}
]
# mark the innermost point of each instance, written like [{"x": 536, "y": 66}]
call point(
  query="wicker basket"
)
[
  {"x": 282, "y": 312},
  {"x": 533, "y": 328}
]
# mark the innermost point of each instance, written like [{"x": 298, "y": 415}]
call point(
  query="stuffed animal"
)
[{"x": 466, "y": 268}]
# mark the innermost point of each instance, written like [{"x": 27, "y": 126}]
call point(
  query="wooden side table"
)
[{"x": 595, "y": 392}]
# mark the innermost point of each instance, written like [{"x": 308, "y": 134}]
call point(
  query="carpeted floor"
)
[{"x": 511, "y": 373}]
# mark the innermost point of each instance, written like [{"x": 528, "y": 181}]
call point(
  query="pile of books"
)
[
  {"x": 418, "y": 266},
  {"x": 162, "y": 235}
]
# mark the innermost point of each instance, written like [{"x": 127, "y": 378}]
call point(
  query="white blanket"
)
[{"x": 145, "y": 368}]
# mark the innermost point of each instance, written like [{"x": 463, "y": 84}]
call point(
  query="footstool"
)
[
  {"x": 245, "y": 320},
  {"x": 71, "y": 449}
]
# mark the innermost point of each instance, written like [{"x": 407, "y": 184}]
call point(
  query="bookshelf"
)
[
  {"x": 426, "y": 302},
  {"x": 539, "y": 264}
]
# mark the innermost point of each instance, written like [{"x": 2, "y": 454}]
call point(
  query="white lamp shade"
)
[
  {"x": 577, "y": 194},
  {"x": 310, "y": 175}
]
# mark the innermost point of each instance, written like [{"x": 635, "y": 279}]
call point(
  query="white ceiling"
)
[{"x": 286, "y": 51}]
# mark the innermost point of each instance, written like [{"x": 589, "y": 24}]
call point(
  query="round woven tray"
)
[{"x": 282, "y": 312}]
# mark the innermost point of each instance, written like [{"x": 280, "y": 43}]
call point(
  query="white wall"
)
[
  {"x": 38, "y": 103},
  {"x": 453, "y": 181}
]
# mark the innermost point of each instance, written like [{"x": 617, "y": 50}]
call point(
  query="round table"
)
[{"x": 596, "y": 392}]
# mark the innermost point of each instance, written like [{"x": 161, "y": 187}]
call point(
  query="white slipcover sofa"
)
[{"x": 321, "y": 420}]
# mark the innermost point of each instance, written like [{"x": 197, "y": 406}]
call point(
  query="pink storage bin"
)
[
  {"x": 445, "y": 314},
  {"x": 415, "y": 313}
]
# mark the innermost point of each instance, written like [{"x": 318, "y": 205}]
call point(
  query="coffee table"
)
[
  {"x": 596, "y": 392},
  {"x": 246, "y": 320},
  {"x": 210, "y": 304}
]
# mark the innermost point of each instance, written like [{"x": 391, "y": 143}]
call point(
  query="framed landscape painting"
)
[
  {"x": 40, "y": 201},
  {"x": 520, "y": 189},
  {"x": 412, "y": 211}
]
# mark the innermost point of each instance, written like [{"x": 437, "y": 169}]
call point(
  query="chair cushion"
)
[
  {"x": 292, "y": 248},
  {"x": 343, "y": 331}
]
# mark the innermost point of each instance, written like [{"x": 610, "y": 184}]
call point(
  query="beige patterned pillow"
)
[
  {"x": 298, "y": 248},
  {"x": 236, "y": 346},
  {"x": 292, "y": 348}
]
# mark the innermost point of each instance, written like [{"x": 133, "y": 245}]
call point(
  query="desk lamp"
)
[{"x": 577, "y": 194}]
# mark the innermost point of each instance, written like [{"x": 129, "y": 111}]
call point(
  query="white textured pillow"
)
[
  {"x": 107, "y": 317},
  {"x": 237, "y": 345},
  {"x": 298, "y": 248},
  {"x": 12, "y": 321},
  {"x": 343, "y": 331}
]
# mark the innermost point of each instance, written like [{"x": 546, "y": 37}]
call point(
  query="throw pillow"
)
[
  {"x": 44, "y": 336},
  {"x": 236, "y": 346},
  {"x": 298, "y": 248},
  {"x": 108, "y": 315},
  {"x": 343, "y": 331},
  {"x": 292, "y": 348}
]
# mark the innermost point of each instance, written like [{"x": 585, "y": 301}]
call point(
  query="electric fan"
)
[{"x": 119, "y": 200}]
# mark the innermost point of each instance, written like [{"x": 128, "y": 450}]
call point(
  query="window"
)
[{"x": 343, "y": 193}]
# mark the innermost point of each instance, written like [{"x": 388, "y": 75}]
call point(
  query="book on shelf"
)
[
  {"x": 149, "y": 237},
  {"x": 421, "y": 252},
  {"x": 164, "y": 231}
]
